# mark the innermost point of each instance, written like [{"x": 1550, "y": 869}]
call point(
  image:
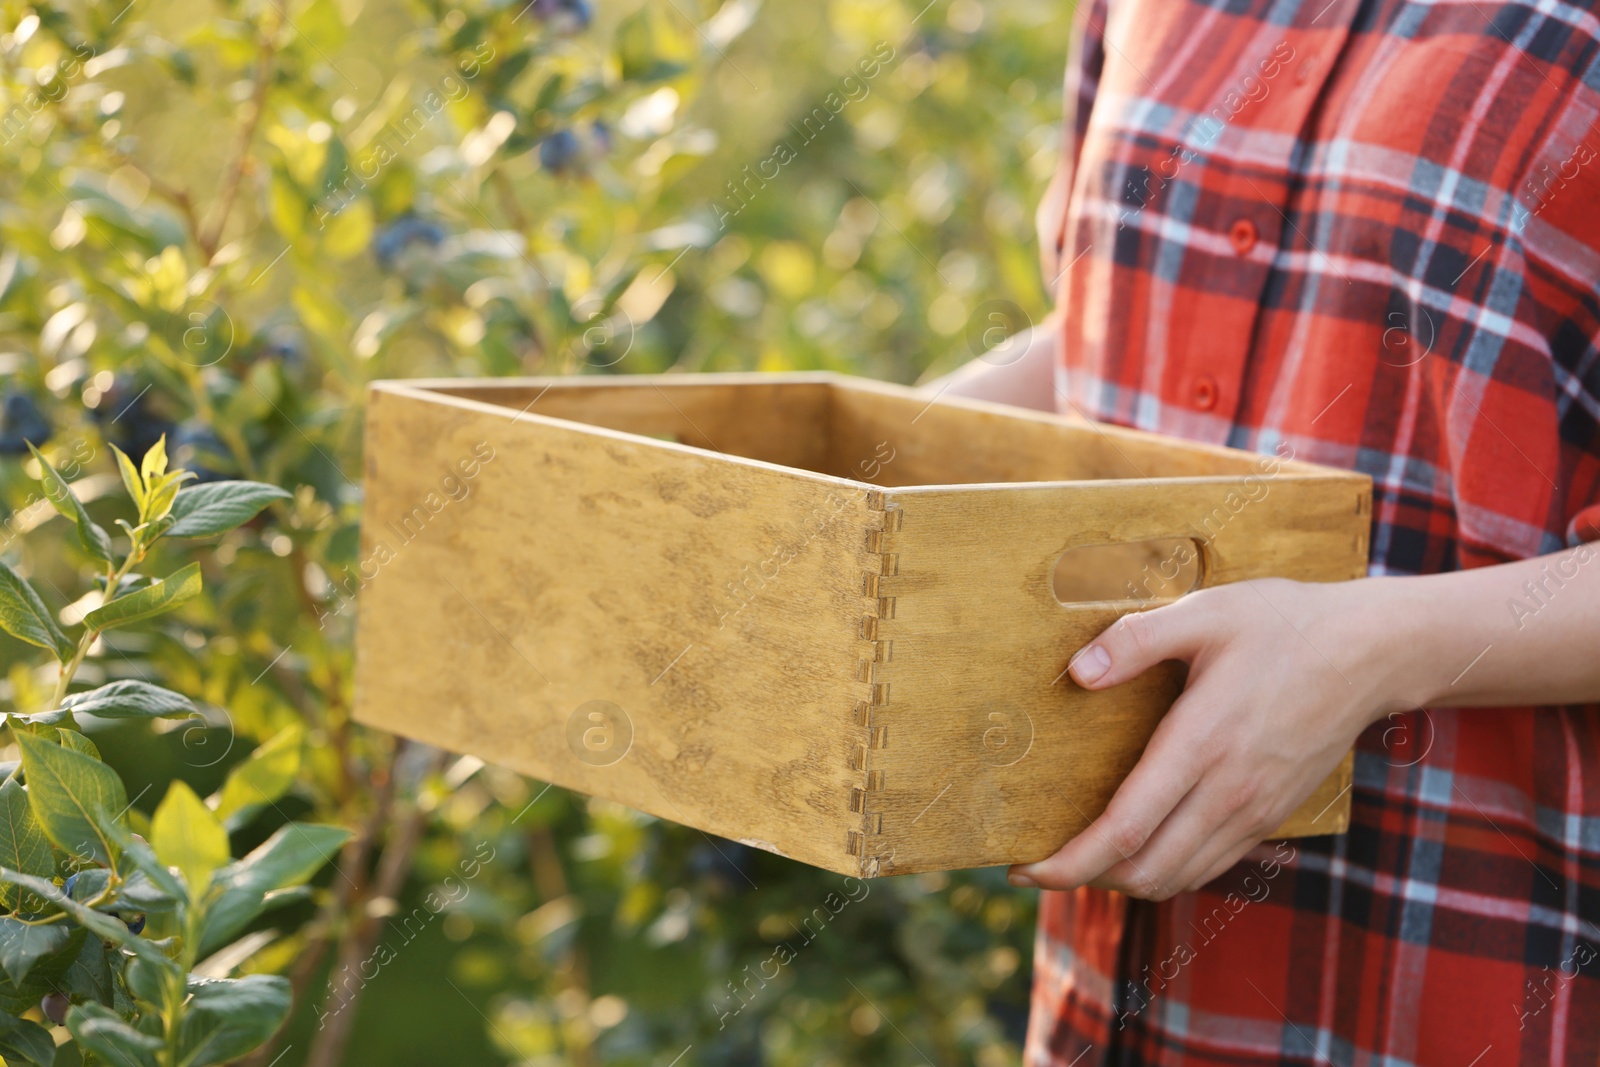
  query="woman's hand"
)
[{"x": 1282, "y": 678}]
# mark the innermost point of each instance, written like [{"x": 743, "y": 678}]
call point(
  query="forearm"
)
[
  {"x": 1514, "y": 634},
  {"x": 1020, "y": 371}
]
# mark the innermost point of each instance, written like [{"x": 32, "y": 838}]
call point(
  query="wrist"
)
[
  {"x": 1374, "y": 629},
  {"x": 1405, "y": 644}
]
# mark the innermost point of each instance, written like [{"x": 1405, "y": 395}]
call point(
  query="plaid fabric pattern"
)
[{"x": 1368, "y": 230}]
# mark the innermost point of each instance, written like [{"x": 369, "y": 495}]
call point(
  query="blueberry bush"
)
[
  {"x": 81, "y": 886},
  {"x": 219, "y": 219}
]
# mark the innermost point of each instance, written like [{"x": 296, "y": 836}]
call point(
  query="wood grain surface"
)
[
  {"x": 587, "y": 565},
  {"x": 987, "y": 753},
  {"x": 811, "y": 613}
]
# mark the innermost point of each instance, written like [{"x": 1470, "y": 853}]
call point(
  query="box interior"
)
[
  {"x": 891, "y": 437},
  {"x": 886, "y": 436}
]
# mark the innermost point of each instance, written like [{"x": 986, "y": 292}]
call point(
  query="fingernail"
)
[
  {"x": 1090, "y": 665},
  {"x": 1021, "y": 881}
]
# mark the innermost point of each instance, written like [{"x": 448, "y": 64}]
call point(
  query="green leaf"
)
[
  {"x": 188, "y": 835},
  {"x": 129, "y": 700},
  {"x": 286, "y": 207},
  {"x": 263, "y": 778},
  {"x": 154, "y": 464},
  {"x": 150, "y": 879},
  {"x": 44, "y": 718},
  {"x": 322, "y": 24},
  {"x": 23, "y": 846},
  {"x": 72, "y": 797},
  {"x": 217, "y": 507},
  {"x": 16, "y": 1000},
  {"x": 94, "y": 540},
  {"x": 287, "y": 858},
  {"x": 139, "y": 893},
  {"x": 148, "y": 602},
  {"x": 228, "y": 1017},
  {"x": 161, "y": 493},
  {"x": 148, "y": 982},
  {"x": 90, "y": 882},
  {"x": 22, "y": 1041},
  {"x": 648, "y": 48},
  {"x": 104, "y": 1033},
  {"x": 88, "y": 976},
  {"x": 349, "y": 232},
  {"x": 97, "y": 923},
  {"x": 24, "y": 616},
  {"x": 22, "y": 945},
  {"x": 78, "y": 743},
  {"x": 130, "y": 478}
]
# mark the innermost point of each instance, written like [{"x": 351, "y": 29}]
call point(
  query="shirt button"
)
[
  {"x": 1203, "y": 392},
  {"x": 1243, "y": 235}
]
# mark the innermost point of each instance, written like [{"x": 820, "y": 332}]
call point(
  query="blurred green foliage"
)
[{"x": 220, "y": 218}]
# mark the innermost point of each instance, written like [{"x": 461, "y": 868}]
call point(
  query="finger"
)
[
  {"x": 1217, "y": 864},
  {"x": 1158, "y": 783},
  {"x": 1138, "y": 641},
  {"x": 1248, "y": 827},
  {"x": 1245, "y": 833},
  {"x": 1163, "y": 866},
  {"x": 1225, "y": 847}
]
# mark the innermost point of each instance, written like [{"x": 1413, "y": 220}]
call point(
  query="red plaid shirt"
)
[{"x": 1369, "y": 229}]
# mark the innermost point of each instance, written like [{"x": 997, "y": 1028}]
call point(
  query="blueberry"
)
[
  {"x": 128, "y": 418},
  {"x": 573, "y": 149},
  {"x": 402, "y": 233},
  {"x": 135, "y": 923},
  {"x": 282, "y": 344},
  {"x": 560, "y": 152},
  {"x": 72, "y": 880},
  {"x": 21, "y": 422},
  {"x": 194, "y": 446},
  {"x": 564, "y": 16},
  {"x": 54, "y": 1006}
]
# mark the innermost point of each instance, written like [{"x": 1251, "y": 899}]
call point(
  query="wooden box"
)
[{"x": 812, "y": 613}]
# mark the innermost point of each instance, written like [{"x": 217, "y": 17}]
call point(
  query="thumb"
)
[{"x": 1136, "y": 642}]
